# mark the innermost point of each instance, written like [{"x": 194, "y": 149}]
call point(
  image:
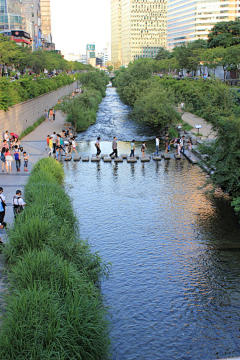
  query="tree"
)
[
  {"x": 224, "y": 34},
  {"x": 163, "y": 54}
]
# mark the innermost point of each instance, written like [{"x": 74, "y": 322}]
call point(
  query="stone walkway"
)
[
  {"x": 193, "y": 120},
  {"x": 34, "y": 144}
]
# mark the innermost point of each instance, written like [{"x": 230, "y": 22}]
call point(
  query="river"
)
[{"x": 174, "y": 285}]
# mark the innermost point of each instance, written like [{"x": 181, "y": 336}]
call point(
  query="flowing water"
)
[{"x": 174, "y": 285}]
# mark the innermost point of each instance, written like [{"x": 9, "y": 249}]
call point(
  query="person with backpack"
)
[
  {"x": 17, "y": 157},
  {"x": 18, "y": 203}
]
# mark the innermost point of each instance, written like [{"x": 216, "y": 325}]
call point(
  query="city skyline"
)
[{"x": 80, "y": 23}]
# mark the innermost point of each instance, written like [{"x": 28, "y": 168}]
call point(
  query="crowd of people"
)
[
  {"x": 49, "y": 115},
  {"x": 61, "y": 144},
  {"x": 11, "y": 150}
]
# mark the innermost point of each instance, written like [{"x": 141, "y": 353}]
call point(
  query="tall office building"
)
[
  {"x": 138, "y": 29},
  {"x": 31, "y": 9},
  {"x": 46, "y": 20},
  {"x": 13, "y": 23},
  {"x": 190, "y": 20}
]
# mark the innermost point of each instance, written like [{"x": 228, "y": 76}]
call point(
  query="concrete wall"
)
[{"x": 25, "y": 114}]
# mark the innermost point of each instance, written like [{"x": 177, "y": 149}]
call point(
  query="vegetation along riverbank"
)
[
  {"x": 53, "y": 308},
  {"x": 82, "y": 110},
  {"x": 153, "y": 100}
]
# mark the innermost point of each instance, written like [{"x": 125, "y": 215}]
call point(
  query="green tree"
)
[
  {"x": 163, "y": 54},
  {"x": 224, "y": 34}
]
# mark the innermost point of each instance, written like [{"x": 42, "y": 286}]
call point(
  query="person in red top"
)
[{"x": 47, "y": 140}]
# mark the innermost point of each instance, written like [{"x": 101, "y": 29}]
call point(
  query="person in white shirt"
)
[
  {"x": 74, "y": 145},
  {"x": 157, "y": 145},
  {"x": 18, "y": 203}
]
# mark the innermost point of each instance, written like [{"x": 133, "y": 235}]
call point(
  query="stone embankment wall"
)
[{"x": 25, "y": 114}]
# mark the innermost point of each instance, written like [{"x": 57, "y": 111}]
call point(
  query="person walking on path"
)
[
  {"x": 46, "y": 115},
  {"x": 25, "y": 157},
  {"x": 51, "y": 115},
  {"x": 114, "y": 147},
  {"x": 3, "y": 159},
  {"x": 54, "y": 139},
  {"x": 47, "y": 140},
  {"x": 2, "y": 205},
  {"x": 97, "y": 144},
  {"x": 54, "y": 114},
  {"x": 50, "y": 144},
  {"x": 143, "y": 148},
  {"x": 17, "y": 157},
  {"x": 9, "y": 159},
  {"x": 157, "y": 146},
  {"x": 7, "y": 138},
  {"x": 18, "y": 203},
  {"x": 132, "y": 148}
]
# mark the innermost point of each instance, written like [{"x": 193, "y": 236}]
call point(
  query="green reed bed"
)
[{"x": 54, "y": 308}]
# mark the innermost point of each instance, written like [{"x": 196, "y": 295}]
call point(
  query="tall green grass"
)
[{"x": 54, "y": 308}]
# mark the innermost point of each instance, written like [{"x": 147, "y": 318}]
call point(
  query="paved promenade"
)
[
  {"x": 34, "y": 144},
  {"x": 193, "y": 120}
]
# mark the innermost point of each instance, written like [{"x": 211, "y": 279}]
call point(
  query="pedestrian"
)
[
  {"x": 166, "y": 144},
  {"x": 51, "y": 115},
  {"x": 97, "y": 144},
  {"x": 74, "y": 145},
  {"x": 50, "y": 144},
  {"x": 46, "y": 115},
  {"x": 47, "y": 140},
  {"x": 2, "y": 226},
  {"x": 17, "y": 157},
  {"x": 7, "y": 138},
  {"x": 2, "y": 205},
  {"x": 132, "y": 148},
  {"x": 25, "y": 157},
  {"x": 5, "y": 145},
  {"x": 9, "y": 159},
  {"x": 54, "y": 139},
  {"x": 3, "y": 159},
  {"x": 54, "y": 113},
  {"x": 157, "y": 145},
  {"x": 143, "y": 148},
  {"x": 189, "y": 148},
  {"x": 18, "y": 203},
  {"x": 182, "y": 144},
  {"x": 178, "y": 147},
  {"x": 114, "y": 147}
]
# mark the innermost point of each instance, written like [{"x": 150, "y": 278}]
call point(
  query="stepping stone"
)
[
  {"x": 131, "y": 159},
  {"x": 85, "y": 158},
  {"x": 137, "y": 156},
  {"x": 107, "y": 159},
  {"x": 104, "y": 155},
  {"x": 145, "y": 159},
  {"x": 68, "y": 158},
  {"x": 124, "y": 156},
  {"x": 177, "y": 157},
  {"x": 166, "y": 156},
  {"x": 118, "y": 159},
  {"x": 77, "y": 158},
  {"x": 157, "y": 157},
  {"x": 95, "y": 158}
]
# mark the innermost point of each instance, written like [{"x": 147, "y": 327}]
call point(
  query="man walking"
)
[
  {"x": 54, "y": 139},
  {"x": 18, "y": 203},
  {"x": 182, "y": 144},
  {"x": 97, "y": 144},
  {"x": 157, "y": 146},
  {"x": 114, "y": 147}
]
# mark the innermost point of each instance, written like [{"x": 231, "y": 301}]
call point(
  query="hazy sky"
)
[{"x": 76, "y": 23}]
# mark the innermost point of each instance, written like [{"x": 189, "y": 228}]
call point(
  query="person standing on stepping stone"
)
[
  {"x": 157, "y": 146},
  {"x": 132, "y": 148},
  {"x": 114, "y": 147},
  {"x": 97, "y": 144}
]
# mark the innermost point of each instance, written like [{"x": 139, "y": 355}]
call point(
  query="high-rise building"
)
[
  {"x": 31, "y": 10},
  {"x": 138, "y": 29},
  {"x": 14, "y": 23},
  {"x": 46, "y": 20},
  {"x": 90, "y": 52},
  {"x": 190, "y": 20}
]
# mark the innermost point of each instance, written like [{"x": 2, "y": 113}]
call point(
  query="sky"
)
[{"x": 76, "y": 23}]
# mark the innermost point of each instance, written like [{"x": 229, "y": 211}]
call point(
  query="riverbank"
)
[{"x": 54, "y": 306}]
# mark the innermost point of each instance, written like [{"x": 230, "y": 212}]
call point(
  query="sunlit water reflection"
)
[{"x": 174, "y": 288}]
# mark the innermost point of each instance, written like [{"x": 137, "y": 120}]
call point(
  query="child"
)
[
  {"x": 25, "y": 157},
  {"x": 189, "y": 147},
  {"x": 9, "y": 159},
  {"x": 47, "y": 139},
  {"x": 143, "y": 148},
  {"x": 74, "y": 144}
]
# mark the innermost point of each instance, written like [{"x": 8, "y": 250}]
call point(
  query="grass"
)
[
  {"x": 54, "y": 308},
  {"x": 186, "y": 126}
]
